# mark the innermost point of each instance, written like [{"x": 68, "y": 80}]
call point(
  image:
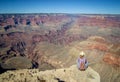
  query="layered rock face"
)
[
  {"x": 54, "y": 19},
  {"x": 71, "y": 74},
  {"x": 52, "y": 41}
]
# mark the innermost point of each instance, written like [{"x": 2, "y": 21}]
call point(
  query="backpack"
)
[
  {"x": 82, "y": 63},
  {"x": 82, "y": 66}
]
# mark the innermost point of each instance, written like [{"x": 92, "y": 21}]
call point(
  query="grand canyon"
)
[{"x": 52, "y": 41}]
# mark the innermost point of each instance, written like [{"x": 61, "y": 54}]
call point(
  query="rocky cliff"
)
[{"x": 71, "y": 74}]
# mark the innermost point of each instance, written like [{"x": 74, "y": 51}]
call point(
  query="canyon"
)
[{"x": 53, "y": 41}]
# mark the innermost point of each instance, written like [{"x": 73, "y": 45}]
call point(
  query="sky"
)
[{"x": 60, "y": 6}]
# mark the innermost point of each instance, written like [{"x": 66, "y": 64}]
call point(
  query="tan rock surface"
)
[{"x": 71, "y": 74}]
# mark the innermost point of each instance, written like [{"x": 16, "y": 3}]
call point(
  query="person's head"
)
[{"x": 82, "y": 54}]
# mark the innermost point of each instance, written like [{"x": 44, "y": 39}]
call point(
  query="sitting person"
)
[{"x": 82, "y": 62}]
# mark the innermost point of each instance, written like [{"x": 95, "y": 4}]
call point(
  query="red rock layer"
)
[{"x": 109, "y": 58}]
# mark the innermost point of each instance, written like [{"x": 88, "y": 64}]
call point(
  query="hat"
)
[{"x": 82, "y": 53}]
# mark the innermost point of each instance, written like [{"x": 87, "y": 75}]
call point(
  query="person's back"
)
[{"x": 82, "y": 62}]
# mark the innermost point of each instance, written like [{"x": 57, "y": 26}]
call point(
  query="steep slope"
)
[{"x": 107, "y": 72}]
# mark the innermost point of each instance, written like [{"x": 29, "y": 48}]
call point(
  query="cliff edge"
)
[{"x": 71, "y": 74}]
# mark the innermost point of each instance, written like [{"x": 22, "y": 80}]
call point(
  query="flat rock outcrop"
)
[{"x": 71, "y": 74}]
